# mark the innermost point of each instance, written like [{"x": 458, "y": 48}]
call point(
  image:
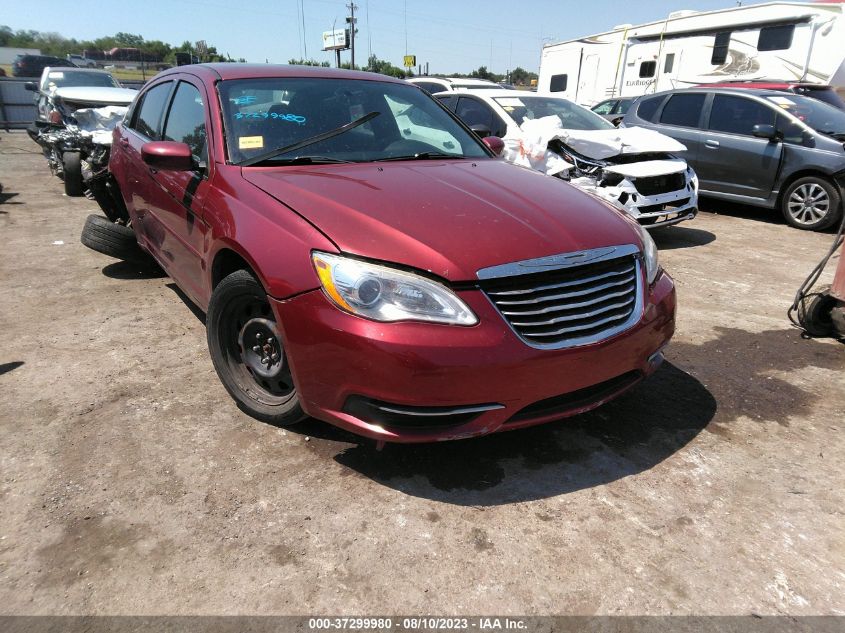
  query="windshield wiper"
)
[
  {"x": 420, "y": 156},
  {"x": 306, "y": 160},
  {"x": 308, "y": 141}
]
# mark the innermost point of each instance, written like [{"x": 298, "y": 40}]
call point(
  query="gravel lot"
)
[{"x": 131, "y": 484}]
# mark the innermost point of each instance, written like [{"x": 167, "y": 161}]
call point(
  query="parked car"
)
[
  {"x": 613, "y": 109},
  {"x": 452, "y": 84},
  {"x": 397, "y": 289},
  {"x": 821, "y": 92},
  {"x": 76, "y": 109},
  {"x": 764, "y": 148},
  {"x": 33, "y": 65},
  {"x": 81, "y": 61},
  {"x": 55, "y": 78},
  {"x": 636, "y": 173}
]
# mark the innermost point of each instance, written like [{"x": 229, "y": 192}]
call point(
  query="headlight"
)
[
  {"x": 387, "y": 294},
  {"x": 652, "y": 266}
]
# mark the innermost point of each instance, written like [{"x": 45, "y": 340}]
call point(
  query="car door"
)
[
  {"x": 176, "y": 198},
  {"x": 680, "y": 118},
  {"x": 732, "y": 160},
  {"x": 474, "y": 112},
  {"x": 143, "y": 125}
]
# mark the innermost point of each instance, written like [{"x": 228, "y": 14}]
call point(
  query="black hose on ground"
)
[{"x": 804, "y": 289}]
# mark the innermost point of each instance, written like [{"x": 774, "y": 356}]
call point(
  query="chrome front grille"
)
[{"x": 577, "y": 298}]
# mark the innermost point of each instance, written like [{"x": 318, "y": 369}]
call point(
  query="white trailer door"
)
[{"x": 588, "y": 81}]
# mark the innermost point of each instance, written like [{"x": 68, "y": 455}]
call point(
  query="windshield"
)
[
  {"x": 68, "y": 78},
  {"x": 572, "y": 117},
  {"x": 262, "y": 115},
  {"x": 816, "y": 114}
]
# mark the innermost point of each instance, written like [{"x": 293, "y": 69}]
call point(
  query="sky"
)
[{"x": 451, "y": 35}]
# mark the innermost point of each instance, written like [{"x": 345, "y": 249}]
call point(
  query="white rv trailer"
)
[{"x": 791, "y": 41}]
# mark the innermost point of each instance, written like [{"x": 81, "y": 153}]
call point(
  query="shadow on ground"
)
[
  {"x": 723, "y": 380},
  {"x": 128, "y": 270},
  {"x": 5, "y": 368},
  {"x": 672, "y": 237}
]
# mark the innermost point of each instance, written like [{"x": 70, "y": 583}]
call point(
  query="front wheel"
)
[
  {"x": 811, "y": 203},
  {"x": 248, "y": 353},
  {"x": 72, "y": 168}
]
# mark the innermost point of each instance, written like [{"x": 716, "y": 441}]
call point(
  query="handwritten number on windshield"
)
[{"x": 292, "y": 118}]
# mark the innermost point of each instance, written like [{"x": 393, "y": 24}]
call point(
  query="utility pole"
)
[{"x": 351, "y": 20}]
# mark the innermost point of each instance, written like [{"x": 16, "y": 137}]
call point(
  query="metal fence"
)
[{"x": 17, "y": 107}]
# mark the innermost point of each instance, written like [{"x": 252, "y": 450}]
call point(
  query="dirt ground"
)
[{"x": 131, "y": 484}]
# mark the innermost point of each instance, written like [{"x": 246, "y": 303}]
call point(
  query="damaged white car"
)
[
  {"x": 636, "y": 170},
  {"x": 76, "y": 116}
]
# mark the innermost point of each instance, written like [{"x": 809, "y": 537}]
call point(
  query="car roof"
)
[
  {"x": 744, "y": 92},
  {"x": 497, "y": 93},
  {"x": 228, "y": 72},
  {"x": 464, "y": 81},
  {"x": 66, "y": 69}
]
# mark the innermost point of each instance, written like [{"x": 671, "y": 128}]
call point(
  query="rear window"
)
[
  {"x": 430, "y": 86},
  {"x": 648, "y": 107},
  {"x": 558, "y": 83},
  {"x": 683, "y": 110},
  {"x": 775, "y": 38},
  {"x": 152, "y": 106}
]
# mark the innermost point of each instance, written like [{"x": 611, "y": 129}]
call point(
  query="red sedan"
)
[{"x": 365, "y": 259}]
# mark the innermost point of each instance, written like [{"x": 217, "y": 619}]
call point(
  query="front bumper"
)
[
  {"x": 357, "y": 374},
  {"x": 660, "y": 209}
]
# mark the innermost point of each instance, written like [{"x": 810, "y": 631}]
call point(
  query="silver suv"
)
[{"x": 764, "y": 148}]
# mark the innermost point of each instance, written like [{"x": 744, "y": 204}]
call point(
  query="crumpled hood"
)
[
  {"x": 601, "y": 144},
  {"x": 450, "y": 217},
  {"x": 96, "y": 95}
]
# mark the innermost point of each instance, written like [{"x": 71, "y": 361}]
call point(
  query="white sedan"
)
[{"x": 638, "y": 171}]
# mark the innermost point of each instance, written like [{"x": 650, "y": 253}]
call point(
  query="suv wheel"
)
[
  {"x": 811, "y": 203},
  {"x": 248, "y": 352}
]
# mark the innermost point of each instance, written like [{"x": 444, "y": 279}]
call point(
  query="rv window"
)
[
  {"x": 647, "y": 108},
  {"x": 775, "y": 38},
  {"x": 558, "y": 83},
  {"x": 683, "y": 110},
  {"x": 738, "y": 115},
  {"x": 720, "y": 48},
  {"x": 647, "y": 69},
  {"x": 669, "y": 64}
]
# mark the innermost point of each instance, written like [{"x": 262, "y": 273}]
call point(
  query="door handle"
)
[
  {"x": 124, "y": 141},
  {"x": 711, "y": 144}
]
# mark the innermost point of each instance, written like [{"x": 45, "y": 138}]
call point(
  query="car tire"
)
[
  {"x": 811, "y": 204},
  {"x": 115, "y": 240},
  {"x": 72, "y": 169},
  {"x": 814, "y": 312},
  {"x": 248, "y": 352}
]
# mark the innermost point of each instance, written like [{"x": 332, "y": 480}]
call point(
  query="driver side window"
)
[{"x": 186, "y": 120}]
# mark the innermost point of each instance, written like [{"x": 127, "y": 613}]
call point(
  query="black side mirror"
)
[
  {"x": 765, "y": 131},
  {"x": 481, "y": 130},
  {"x": 31, "y": 86}
]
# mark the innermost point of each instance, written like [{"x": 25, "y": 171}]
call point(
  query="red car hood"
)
[{"x": 450, "y": 217}]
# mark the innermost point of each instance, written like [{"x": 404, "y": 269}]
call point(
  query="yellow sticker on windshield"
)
[{"x": 250, "y": 142}]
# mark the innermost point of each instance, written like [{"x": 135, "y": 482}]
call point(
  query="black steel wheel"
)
[
  {"x": 72, "y": 169},
  {"x": 248, "y": 352}
]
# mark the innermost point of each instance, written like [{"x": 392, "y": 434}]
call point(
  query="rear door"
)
[
  {"x": 732, "y": 160},
  {"x": 680, "y": 117},
  {"x": 176, "y": 198}
]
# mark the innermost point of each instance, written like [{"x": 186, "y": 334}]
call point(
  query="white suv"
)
[{"x": 452, "y": 84}]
